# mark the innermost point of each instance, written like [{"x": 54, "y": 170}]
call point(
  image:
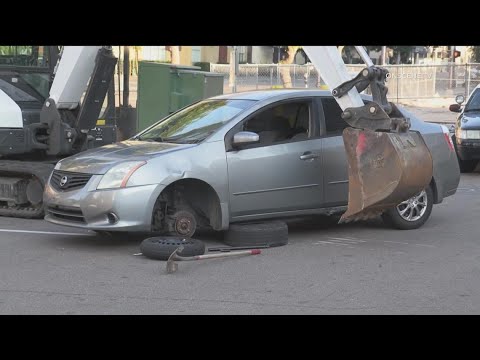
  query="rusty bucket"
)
[{"x": 384, "y": 168}]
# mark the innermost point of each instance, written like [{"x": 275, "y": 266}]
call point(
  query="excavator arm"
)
[
  {"x": 387, "y": 161},
  {"x": 82, "y": 71}
]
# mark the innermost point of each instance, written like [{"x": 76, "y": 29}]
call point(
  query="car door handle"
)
[{"x": 309, "y": 155}]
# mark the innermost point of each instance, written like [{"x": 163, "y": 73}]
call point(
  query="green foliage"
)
[
  {"x": 15, "y": 50},
  {"x": 402, "y": 53},
  {"x": 475, "y": 53}
]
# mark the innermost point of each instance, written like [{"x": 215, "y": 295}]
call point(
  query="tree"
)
[
  {"x": 402, "y": 53},
  {"x": 475, "y": 53},
  {"x": 174, "y": 54}
]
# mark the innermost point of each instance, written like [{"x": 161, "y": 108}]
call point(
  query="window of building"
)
[
  {"x": 242, "y": 54},
  {"x": 196, "y": 54}
]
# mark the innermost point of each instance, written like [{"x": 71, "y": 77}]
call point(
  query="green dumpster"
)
[{"x": 165, "y": 88}]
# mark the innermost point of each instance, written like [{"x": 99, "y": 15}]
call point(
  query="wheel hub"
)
[
  {"x": 183, "y": 226},
  {"x": 413, "y": 208}
]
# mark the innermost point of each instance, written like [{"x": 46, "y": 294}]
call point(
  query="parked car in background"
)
[
  {"x": 232, "y": 158},
  {"x": 467, "y": 130}
]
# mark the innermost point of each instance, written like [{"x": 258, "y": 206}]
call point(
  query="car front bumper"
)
[
  {"x": 126, "y": 209},
  {"x": 469, "y": 150}
]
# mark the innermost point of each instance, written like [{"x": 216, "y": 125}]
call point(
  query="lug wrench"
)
[{"x": 172, "y": 266}]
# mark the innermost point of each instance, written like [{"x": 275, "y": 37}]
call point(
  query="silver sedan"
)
[{"x": 232, "y": 158}]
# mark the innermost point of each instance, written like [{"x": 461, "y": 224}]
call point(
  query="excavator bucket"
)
[{"x": 385, "y": 168}]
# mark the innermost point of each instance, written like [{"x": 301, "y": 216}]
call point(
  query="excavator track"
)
[{"x": 24, "y": 169}]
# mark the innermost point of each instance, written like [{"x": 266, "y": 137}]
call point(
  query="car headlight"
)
[
  {"x": 117, "y": 176},
  {"x": 467, "y": 134}
]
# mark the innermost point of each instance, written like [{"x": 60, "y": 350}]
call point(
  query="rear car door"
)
[{"x": 281, "y": 173}]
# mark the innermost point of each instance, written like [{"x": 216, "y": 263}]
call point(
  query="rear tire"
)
[
  {"x": 394, "y": 218},
  {"x": 273, "y": 233},
  {"x": 467, "y": 166}
]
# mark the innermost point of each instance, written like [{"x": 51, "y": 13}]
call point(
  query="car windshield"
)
[
  {"x": 473, "y": 103},
  {"x": 196, "y": 122}
]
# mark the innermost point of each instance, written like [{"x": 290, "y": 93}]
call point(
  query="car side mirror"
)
[
  {"x": 455, "y": 108},
  {"x": 245, "y": 138},
  {"x": 459, "y": 99}
]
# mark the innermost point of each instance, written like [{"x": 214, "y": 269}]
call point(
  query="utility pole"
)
[
  {"x": 126, "y": 120},
  {"x": 383, "y": 55},
  {"x": 452, "y": 66},
  {"x": 126, "y": 75},
  {"x": 233, "y": 68}
]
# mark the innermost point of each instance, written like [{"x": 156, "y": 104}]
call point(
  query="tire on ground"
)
[
  {"x": 272, "y": 233},
  {"x": 392, "y": 218},
  {"x": 161, "y": 247}
]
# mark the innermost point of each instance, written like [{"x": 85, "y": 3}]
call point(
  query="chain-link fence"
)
[{"x": 404, "y": 82}]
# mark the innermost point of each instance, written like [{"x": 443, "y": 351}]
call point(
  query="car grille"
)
[
  {"x": 73, "y": 180},
  {"x": 66, "y": 213}
]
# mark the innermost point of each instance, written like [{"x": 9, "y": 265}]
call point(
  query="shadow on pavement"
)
[
  {"x": 96, "y": 241},
  {"x": 329, "y": 222}
]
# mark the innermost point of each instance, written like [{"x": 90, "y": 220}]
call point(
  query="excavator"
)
[
  {"x": 50, "y": 101},
  {"x": 387, "y": 161}
]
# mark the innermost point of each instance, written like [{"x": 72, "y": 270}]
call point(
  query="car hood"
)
[
  {"x": 470, "y": 120},
  {"x": 100, "y": 160}
]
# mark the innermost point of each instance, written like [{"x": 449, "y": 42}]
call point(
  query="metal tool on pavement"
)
[
  {"x": 172, "y": 266},
  {"x": 235, "y": 248}
]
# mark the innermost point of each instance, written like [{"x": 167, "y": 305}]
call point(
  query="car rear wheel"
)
[
  {"x": 412, "y": 213},
  {"x": 467, "y": 166}
]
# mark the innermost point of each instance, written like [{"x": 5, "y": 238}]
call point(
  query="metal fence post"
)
[
  {"x": 258, "y": 69},
  {"x": 468, "y": 71},
  {"x": 271, "y": 76},
  {"x": 294, "y": 74},
  {"x": 398, "y": 89},
  {"x": 417, "y": 78},
  {"x": 278, "y": 74}
]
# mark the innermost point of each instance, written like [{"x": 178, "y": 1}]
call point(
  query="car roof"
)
[
  {"x": 272, "y": 93},
  {"x": 280, "y": 94}
]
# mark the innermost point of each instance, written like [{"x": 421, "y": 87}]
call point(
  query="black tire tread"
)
[
  {"x": 161, "y": 247},
  {"x": 271, "y": 233},
  {"x": 40, "y": 170},
  {"x": 393, "y": 219}
]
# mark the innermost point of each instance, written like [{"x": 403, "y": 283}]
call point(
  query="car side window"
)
[
  {"x": 285, "y": 122},
  {"x": 333, "y": 117}
]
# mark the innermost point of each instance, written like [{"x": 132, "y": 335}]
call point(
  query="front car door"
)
[
  {"x": 282, "y": 173},
  {"x": 334, "y": 158}
]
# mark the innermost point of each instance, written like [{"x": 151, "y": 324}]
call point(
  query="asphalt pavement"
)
[{"x": 360, "y": 268}]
